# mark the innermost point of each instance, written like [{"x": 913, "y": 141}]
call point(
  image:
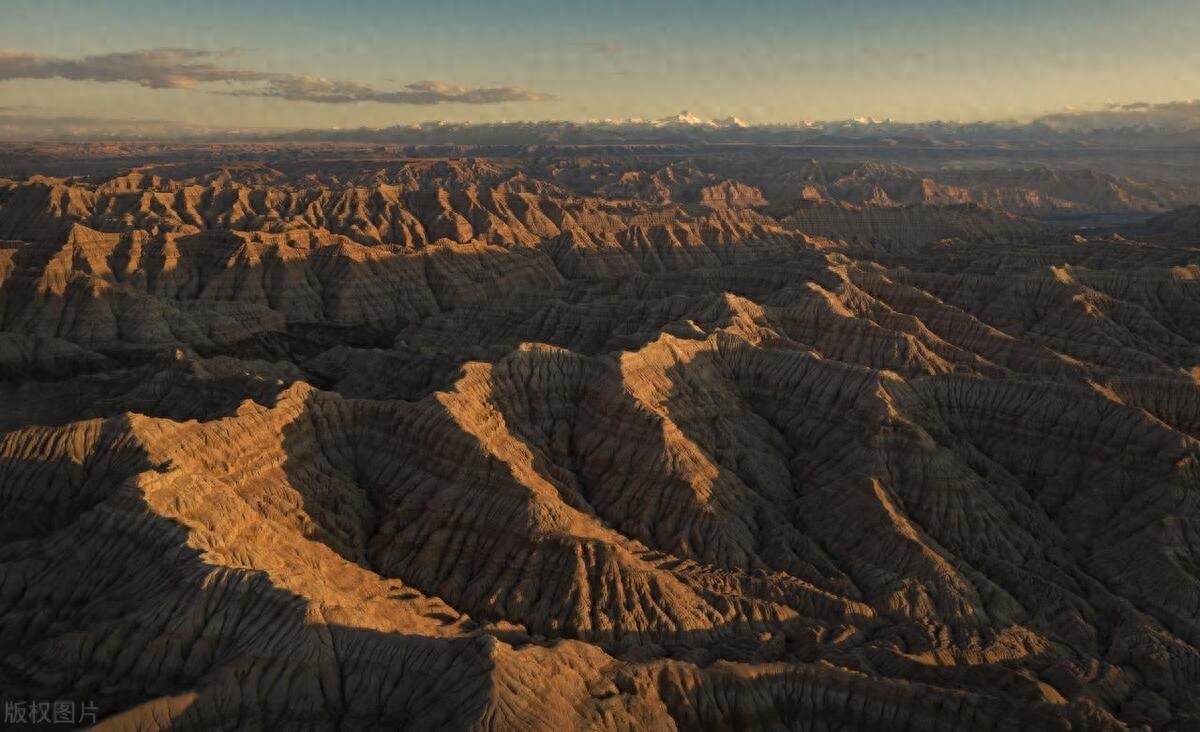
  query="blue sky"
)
[{"x": 762, "y": 60}]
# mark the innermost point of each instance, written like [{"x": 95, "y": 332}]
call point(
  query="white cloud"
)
[{"x": 1164, "y": 115}]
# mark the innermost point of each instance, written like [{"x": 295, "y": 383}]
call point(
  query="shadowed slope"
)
[{"x": 601, "y": 454}]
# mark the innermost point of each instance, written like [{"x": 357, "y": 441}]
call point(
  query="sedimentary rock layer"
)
[{"x": 467, "y": 445}]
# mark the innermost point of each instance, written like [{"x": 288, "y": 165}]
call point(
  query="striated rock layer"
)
[{"x": 479, "y": 445}]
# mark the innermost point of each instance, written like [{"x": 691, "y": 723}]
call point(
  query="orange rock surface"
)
[{"x": 477, "y": 444}]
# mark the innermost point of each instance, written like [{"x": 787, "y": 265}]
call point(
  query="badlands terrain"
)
[{"x": 314, "y": 438}]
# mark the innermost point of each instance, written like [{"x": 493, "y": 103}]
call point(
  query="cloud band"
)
[{"x": 182, "y": 68}]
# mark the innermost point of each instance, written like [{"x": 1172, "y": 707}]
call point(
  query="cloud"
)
[
  {"x": 156, "y": 68},
  {"x": 182, "y": 68},
  {"x": 1130, "y": 107},
  {"x": 327, "y": 91},
  {"x": 1183, "y": 114}
]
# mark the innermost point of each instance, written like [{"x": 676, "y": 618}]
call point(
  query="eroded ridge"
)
[{"x": 476, "y": 444}]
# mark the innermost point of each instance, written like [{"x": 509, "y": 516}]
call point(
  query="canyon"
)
[{"x": 346, "y": 437}]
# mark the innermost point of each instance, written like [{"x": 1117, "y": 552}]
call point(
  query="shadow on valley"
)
[{"x": 107, "y": 601}]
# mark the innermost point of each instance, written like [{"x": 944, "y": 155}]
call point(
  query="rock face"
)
[{"x": 480, "y": 445}]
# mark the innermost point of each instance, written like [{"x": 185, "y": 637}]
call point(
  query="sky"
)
[{"x": 252, "y": 64}]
